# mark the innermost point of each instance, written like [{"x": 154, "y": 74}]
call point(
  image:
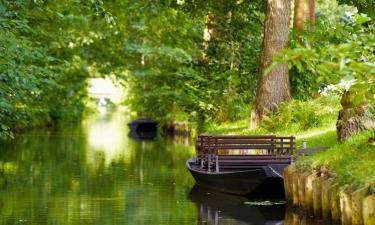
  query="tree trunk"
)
[
  {"x": 273, "y": 87},
  {"x": 209, "y": 35},
  {"x": 353, "y": 118},
  {"x": 304, "y": 14}
]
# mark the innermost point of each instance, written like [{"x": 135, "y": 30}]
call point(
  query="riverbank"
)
[
  {"x": 334, "y": 185},
  {"x": 337, "y": 184}
]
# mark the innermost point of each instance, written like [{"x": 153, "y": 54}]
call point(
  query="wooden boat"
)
[
  {"x": 143, "y": 129},
  {"x": 217, "y": 167},
  {"x": 240, "y": 181}
]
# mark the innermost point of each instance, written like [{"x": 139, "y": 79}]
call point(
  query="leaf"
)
[
  {"x": 4, "y": 127},
  {"x": 299, "y": 66},
  {"x": 362, "y": 18},
  {"x": 270, "y": 68}
]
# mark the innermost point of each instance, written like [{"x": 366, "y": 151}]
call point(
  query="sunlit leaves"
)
[{"x": 341, "y": 49}]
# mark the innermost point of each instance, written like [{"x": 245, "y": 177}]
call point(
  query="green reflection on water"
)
[{"x": 94, "y": 174}]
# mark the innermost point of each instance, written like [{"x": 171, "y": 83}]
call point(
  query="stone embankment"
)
[{"x": 319, "y": 195}]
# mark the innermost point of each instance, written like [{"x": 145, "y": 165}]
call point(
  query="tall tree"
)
[
  {"x": 273, "y": 86},
  {"x": 304, "y": 14}
]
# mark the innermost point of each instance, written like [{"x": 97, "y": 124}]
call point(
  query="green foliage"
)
[
  {"x": 170, "y": 70},
  {"x": 339, "y": 50},
  {"x": 363, "y": 6},
  {"x": 297, "y": 116},
  {"x": 42, "y": 70}
]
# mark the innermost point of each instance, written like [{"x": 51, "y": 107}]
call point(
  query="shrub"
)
[{"x": 298, "y": 115}]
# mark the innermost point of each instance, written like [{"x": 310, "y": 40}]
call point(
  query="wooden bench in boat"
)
[{"x": 239, "y": 152}]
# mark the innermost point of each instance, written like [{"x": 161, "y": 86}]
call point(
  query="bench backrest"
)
[{"x": 207, "y": 144}]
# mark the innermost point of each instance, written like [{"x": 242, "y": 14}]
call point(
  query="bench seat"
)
[{"x": 221, "y": 151}]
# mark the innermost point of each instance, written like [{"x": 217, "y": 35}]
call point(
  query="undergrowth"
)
[
  {"x": 312, "y": 121},
  {"x": 297, "y": 116}
]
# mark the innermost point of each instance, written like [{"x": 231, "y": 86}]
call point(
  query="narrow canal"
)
[{"x": 93, "y": 173}]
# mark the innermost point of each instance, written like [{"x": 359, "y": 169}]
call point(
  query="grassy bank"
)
[{"x": 351, "y": 162}]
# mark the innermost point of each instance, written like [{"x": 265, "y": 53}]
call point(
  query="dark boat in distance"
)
[
  {"x": 143, "y": 129},
  {"x": 241, "y": 164}
]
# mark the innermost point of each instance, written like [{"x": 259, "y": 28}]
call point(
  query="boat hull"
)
[{"x": 240, "y": 182}]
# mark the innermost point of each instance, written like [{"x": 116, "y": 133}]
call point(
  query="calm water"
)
[{"x": 95, "y": 174}]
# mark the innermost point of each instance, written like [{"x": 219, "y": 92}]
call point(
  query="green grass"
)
[{"x": 351, "y": 162}]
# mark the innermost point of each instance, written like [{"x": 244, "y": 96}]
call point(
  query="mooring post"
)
[
  {"x": 216, "y": 219},
  {"x": 201, "y": 150},
  {"x": 304, "y": 144},
  {"x": 208, "y": 162},
  {"x": 217, "y": 163},
  {"x": 216, "y": 152}
]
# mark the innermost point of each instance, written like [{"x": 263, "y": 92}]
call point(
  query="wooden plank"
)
[
  {"x": 227, "y": 166},
  {"x": 229, "y": 162},
  {"x": 238, "y": 137},
  {"x": 240, "y": 141},
  {"x": 245, "y": 137},
  {"x": 249, "y": 147},
  {"x": 288, "y": 137},
  {"x": 246, "y": 141},
  {"x": 253, "y": 158},
  {"x": 274, "y": 145},
  {"x": 248, "y": 160}
]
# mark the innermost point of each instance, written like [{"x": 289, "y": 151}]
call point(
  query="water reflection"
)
[
  {"x": 105, "y": 137},
  {"x": 296, "y": 217},
  {"x": 219, "y": 208},
  {"x": 180, "y": 139},
  {"x": 93, "y": 174}
]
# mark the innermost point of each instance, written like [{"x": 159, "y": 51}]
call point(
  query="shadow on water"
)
[
  {"x": 271, "y": 188},
  {"x": 220, "y": 208}
]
